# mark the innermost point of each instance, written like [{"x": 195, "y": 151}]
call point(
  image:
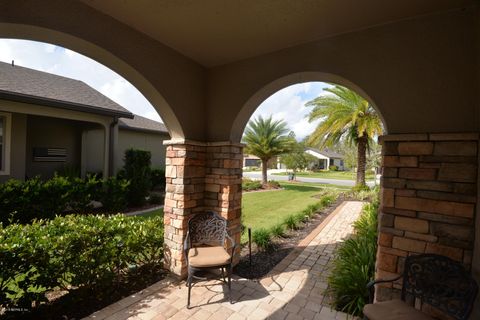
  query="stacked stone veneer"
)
[
  {"x": 200, "y": 177},
  {"x": 428, "y": 201}
]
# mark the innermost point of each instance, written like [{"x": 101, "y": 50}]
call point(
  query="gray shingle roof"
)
[
  {"x": 142, "y": 124},
  {"x": 327, "y": 153},
  {"x": 33, "y": 86}
]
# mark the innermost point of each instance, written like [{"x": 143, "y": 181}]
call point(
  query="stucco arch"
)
[
  {"x": 267, "y": 90},
  {"x": 103, "y": 56}
]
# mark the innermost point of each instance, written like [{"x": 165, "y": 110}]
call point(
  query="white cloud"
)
[
  {"x": 54, "y": 59},
  {"x": 288, "y": 104}
]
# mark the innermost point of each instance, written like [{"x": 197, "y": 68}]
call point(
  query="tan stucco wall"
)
[
  {"x": 55, "y": 133},
  {"x": 94, "y": 142},
  {"x": 406, "y": 69},
  {"x": 126, "y": 139},
  {"x": 141, "y": 140},
  {"x": 17, "y": 148}
]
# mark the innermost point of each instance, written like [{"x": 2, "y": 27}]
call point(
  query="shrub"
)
[
  {"x": 250, "y": 185},
  {"x": 291, "y": 222},
  {"x": 333, "y": 168},
  {"x": 354, "y": 265},
  {"x": 262, "y": 238},
  {"x": 278, "y": 230},
  {"x": 158, "y": 178},
  {"x": 73, "y": 251},
  {"x": 155, "y": 199},
  {"x": 137, "y": 171},
  {"x": 113, "y": 195},
  {"x": 273, "y": 184},
  {"x": 327, "y": 200}
]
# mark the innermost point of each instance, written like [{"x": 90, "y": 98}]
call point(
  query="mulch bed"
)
[
  {"x": 264, "y": 261},
  {"x": 82, "y": 302}
]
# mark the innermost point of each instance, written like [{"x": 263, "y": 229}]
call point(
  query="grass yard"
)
[
  {"x": 150, "y": 214},
  {"x": 340, "y": 175},
  {"x": 266, "y": 209}
]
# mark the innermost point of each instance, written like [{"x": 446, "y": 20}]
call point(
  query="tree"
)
[
  {"x": 297, "y": 158},
  {"x": 345, "y": 115},
  {"x": 266, "y": 138}
]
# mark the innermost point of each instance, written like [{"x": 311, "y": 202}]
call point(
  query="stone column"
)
[
  {"x": 428, "y": 201},
  {"x": 199, "y": 177}
]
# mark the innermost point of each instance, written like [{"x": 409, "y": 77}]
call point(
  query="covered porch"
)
[{"x": 206, "y": 68}]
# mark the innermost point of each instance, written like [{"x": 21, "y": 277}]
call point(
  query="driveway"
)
[{"x": 348, "y": 183}]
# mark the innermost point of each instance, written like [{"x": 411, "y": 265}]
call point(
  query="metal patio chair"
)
[
  {"x": 205, "y": 247},
  {"x": 432, "y": 279}
]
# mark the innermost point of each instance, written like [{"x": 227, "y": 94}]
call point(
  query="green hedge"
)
[
  {"x": 21, "y": 202},
  {"x": 137, "y": 171},
  {"x": 354, "y": 264},
  {"x": 73, "y": 251}
]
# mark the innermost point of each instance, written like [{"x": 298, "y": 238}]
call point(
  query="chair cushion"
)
[
  {"x": 203, "y": 257},
  {"x": 393, "y": 310}
]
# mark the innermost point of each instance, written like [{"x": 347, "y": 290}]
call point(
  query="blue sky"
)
[{"x": 287, "y": 104}]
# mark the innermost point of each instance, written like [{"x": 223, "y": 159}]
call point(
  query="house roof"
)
[
  {"x": 327, "y": 153},
  {"x": 139, "y": 123},
  {"x": 32, "y": 86}
]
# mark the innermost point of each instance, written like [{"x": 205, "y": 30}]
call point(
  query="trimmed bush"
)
[
  {"x": 250, "y": 185},
  {"x": 354, "y": 265},
  {"x": 137, "y": 171},
  {"x": 158, "y": 178},
  {"x": 333, "y": 168},
  {"x": 113, "y": 195},
  {"x": 73, "y": 251},
  {"x": 21, "y": 202},
  {"x": 262, "y": 238},
  {"x": 155, "y": 199}
]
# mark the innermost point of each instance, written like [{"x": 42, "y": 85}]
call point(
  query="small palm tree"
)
[
  {"x": 345, "y": 115},
  {"x": 266, "y": 138}
]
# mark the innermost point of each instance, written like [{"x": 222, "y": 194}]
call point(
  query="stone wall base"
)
[
  {"x": 428, "y": 201},
  {"x": 200, "y": 177}
]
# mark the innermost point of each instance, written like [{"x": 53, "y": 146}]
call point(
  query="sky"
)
[{"x": 287, "y": 104}]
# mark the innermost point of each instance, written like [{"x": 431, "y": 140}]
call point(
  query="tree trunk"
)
[
  {"x": 362, "y": 161},
  {"x": 264, "y": 171}
]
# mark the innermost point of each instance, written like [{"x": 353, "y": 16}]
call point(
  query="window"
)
[{"x": 5, "y": 121}]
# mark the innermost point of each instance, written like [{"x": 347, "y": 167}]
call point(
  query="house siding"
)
[
  {"x": 53, "y": 133},
  {"x": 17, "y": 148}
]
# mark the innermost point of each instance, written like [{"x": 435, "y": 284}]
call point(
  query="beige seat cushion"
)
[
  {"x": 208, "y": 256},
  {"x": 393, "y": 310}
]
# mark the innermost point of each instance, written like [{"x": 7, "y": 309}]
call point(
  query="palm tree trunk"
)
[
  {"x": 264, "y": 171},
  {"x": 362, "y": 161}
]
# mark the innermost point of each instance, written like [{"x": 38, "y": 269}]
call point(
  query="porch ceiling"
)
[{"x": 216, "y": 32}]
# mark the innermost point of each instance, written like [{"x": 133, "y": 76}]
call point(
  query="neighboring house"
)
[
  {"x": 249, "y": 160},
  {"x": 51, "y": 123},
  {"x": 325, "y": 159}
]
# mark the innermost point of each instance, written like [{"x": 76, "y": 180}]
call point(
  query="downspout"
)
[{"x": 111, "y": 147}]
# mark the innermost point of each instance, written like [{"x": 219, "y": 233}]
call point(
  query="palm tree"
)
[
  {"x": 345, "y": 115},
  {"x": 266, "y": 138}
]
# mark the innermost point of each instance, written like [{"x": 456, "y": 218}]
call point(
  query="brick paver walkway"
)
[{"x": 294, "y": 289}]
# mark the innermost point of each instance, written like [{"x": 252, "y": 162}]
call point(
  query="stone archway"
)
[
  {"x": 300, "y": 77},
  {"x": 105, "y": 57}
]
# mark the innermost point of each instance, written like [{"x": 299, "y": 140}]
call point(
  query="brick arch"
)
[
  {"x": 105, "y": 57},
  {"x": 267, "y": 90}
]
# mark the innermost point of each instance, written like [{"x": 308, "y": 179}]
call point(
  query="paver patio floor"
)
[{"x": 294, "y": 289}]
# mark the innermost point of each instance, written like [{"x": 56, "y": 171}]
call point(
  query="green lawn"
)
[
  {"x": 340, "y": 175},
  {"x": 265, "y": 209},
  {"x": 150, "y": 214}
]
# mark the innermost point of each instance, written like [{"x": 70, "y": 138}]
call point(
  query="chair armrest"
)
[{"x": 371, "y": 286}]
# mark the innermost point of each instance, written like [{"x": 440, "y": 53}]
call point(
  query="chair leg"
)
[
  {"x": 223, "y": 275},
  {"x": 230, "y": 283},
  {"x": 189, "y": 283}
]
